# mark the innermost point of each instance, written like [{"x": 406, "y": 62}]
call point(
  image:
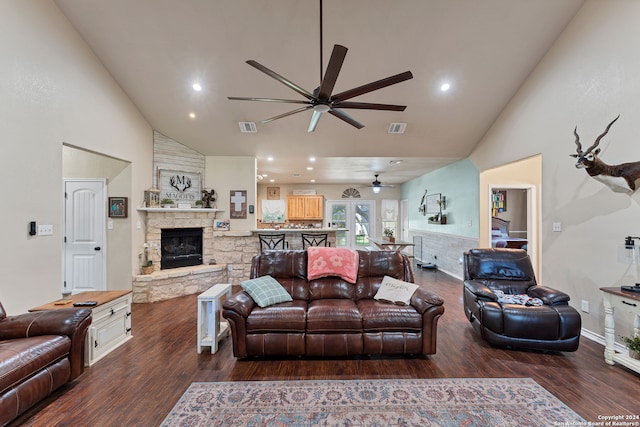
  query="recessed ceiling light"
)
[
  {"x": 445, "y": 87},
  {"x": 192, "y": 115},
  {"x": 309, "y": 168},
  {"x": 197, "y": 87},
  {"x": 272, "y": 180},
  {"x": 312, "y": 159},
  {"x": 270, "y": 159},
  {"x": 265, "y": 175},
  {"x": 313, "y": 180}
]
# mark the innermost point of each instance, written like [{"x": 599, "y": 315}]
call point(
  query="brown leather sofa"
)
[
  {"x": 39, "y": 352},
  {"x": 554, "y": 325},
  {"x": 330, "y": 317}
]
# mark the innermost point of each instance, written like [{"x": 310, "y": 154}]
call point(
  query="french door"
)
[{"x": 356, "y": 216}]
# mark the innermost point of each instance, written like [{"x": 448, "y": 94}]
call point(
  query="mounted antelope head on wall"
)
[{"x": 622, "y": 178}]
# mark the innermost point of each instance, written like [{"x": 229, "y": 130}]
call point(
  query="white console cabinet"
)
[
  {"x": 110, "y": 324},
  {"x": 623, "y": 307},
  {"x": 110, "y": 328}
]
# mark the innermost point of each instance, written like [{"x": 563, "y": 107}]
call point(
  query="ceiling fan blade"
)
[
  {"x": 333, "y": 69},
  {"x": 314, "y": 121},
  {"x": 290, "y": 101},
  {"x": 370, "y": 106},
  {"x": 370, "y": 87},
  {"x": 281, "y": 79},
  {"x": 297, "y": 110},
  {"x": 347, "y": 118}
]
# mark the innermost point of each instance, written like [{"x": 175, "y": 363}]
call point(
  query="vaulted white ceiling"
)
[{"x": 485, "y": 49}]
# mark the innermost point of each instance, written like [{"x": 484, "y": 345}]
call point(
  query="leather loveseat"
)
[
  {"x": 39, "y": 352},
  {"x": 330, "y": 317},
  {"x": 508, "y": 308}
]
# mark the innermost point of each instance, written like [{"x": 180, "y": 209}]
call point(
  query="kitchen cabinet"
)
[{"x": 305, "y": 207}]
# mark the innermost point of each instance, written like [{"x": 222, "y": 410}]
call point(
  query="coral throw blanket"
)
[{"x": 324, "y": 262}]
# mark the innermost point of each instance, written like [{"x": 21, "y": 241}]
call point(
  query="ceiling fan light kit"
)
[{"x": 321, "y": 100}]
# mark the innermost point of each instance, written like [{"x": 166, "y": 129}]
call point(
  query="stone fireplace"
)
[
  {"x": 160, "y": 219},
  {"x": 186, "y": 233},
  {"x": 180, "y": 247}
]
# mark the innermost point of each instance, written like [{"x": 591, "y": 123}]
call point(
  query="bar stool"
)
[
  {"x": 314, "y": 239},
  {"x": 272, "y": 242}
]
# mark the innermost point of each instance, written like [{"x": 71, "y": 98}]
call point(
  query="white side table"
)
[{"x": 210, "y": 327}]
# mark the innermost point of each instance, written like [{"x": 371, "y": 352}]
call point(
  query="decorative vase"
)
[
  {"x": 634, "y": 354},
  {"x": 147, "y": 269}
]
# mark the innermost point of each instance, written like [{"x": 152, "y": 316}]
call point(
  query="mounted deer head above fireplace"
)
[{"x": 622, "y": 178}]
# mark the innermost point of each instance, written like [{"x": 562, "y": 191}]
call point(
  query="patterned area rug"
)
[{"x": 430, "y": 402}]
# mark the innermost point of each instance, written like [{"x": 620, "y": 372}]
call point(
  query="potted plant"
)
[
  {"x": 167, "y": 203},
  {"x": 388, "y": 233},
  {"x": 199, "y": 203},
  {"x": 633, "y": 344},
  {"x": 148, "y": 267}
]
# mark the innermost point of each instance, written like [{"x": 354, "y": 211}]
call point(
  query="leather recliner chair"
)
[{"x": 554, "y": 326}]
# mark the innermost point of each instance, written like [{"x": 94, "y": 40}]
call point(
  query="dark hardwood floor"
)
[{"x": 138, "y": 384}]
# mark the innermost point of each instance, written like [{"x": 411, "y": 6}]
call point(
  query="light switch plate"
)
[{"x": 45, "y": 230}]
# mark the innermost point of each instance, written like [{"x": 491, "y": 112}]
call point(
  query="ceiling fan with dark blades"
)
[
  {"x": 322, "y": 100},
  {"x": 377, "y": 185}
]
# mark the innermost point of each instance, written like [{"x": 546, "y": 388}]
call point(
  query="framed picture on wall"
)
[
  {"x": 221, "y": 224},
  {"x": 273, "y": 193},
  {"x": 118, "y": 207},
  {"x": 238, "y": 202}
]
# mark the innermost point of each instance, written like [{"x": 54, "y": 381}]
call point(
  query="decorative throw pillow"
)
[
  {"x": 327, "y": 262},
  {"x": 266, "y": 291},
  {"x": 395, "y": 291}
]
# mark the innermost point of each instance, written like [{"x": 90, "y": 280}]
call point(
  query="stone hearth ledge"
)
[{"x": 176, "y": 282}]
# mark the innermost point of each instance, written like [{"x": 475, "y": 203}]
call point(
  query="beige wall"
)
[
  {"x": 226, "y": 174},
  {"x": 587, "y": 78},
  {"x": 55, "y": 91}
]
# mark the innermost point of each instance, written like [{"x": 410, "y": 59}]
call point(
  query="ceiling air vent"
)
[
  {"x": 397, "y": 127},
  {"x": 248, "y": 127}
]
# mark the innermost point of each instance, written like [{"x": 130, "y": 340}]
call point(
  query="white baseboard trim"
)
[{"x": 619, "y": 348}]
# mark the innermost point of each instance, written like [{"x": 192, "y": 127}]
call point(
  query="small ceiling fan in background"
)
[
  {"x": 321, "y": 100},
  {"x": 377, "y": 185}
]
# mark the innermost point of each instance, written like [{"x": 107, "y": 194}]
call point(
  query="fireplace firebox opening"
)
[{"x": 180, "y": 247}]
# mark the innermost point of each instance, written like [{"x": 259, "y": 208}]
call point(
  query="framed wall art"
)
[
  {"x": 238, "y": 204},
  {"x": 273, "y": 193},
  {"x": 180, "y": 186},
  {"x": 118, "y": 207},
  {"x": 221, "y": 224}
]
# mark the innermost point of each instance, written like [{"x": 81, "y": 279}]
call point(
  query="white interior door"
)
[
  {"x": 84, "y": 231},
  {"x": 357, "y": 216}
]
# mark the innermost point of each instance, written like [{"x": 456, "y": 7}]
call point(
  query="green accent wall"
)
[{"x": 460, "y": 183}]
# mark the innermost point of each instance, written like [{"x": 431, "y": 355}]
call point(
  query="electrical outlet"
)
[
  {"x": 585, "y": 305},
  {"x": 557, "y": 226}
]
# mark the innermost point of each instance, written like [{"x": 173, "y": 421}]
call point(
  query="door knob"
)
[{"x": 97, "y": 248}]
